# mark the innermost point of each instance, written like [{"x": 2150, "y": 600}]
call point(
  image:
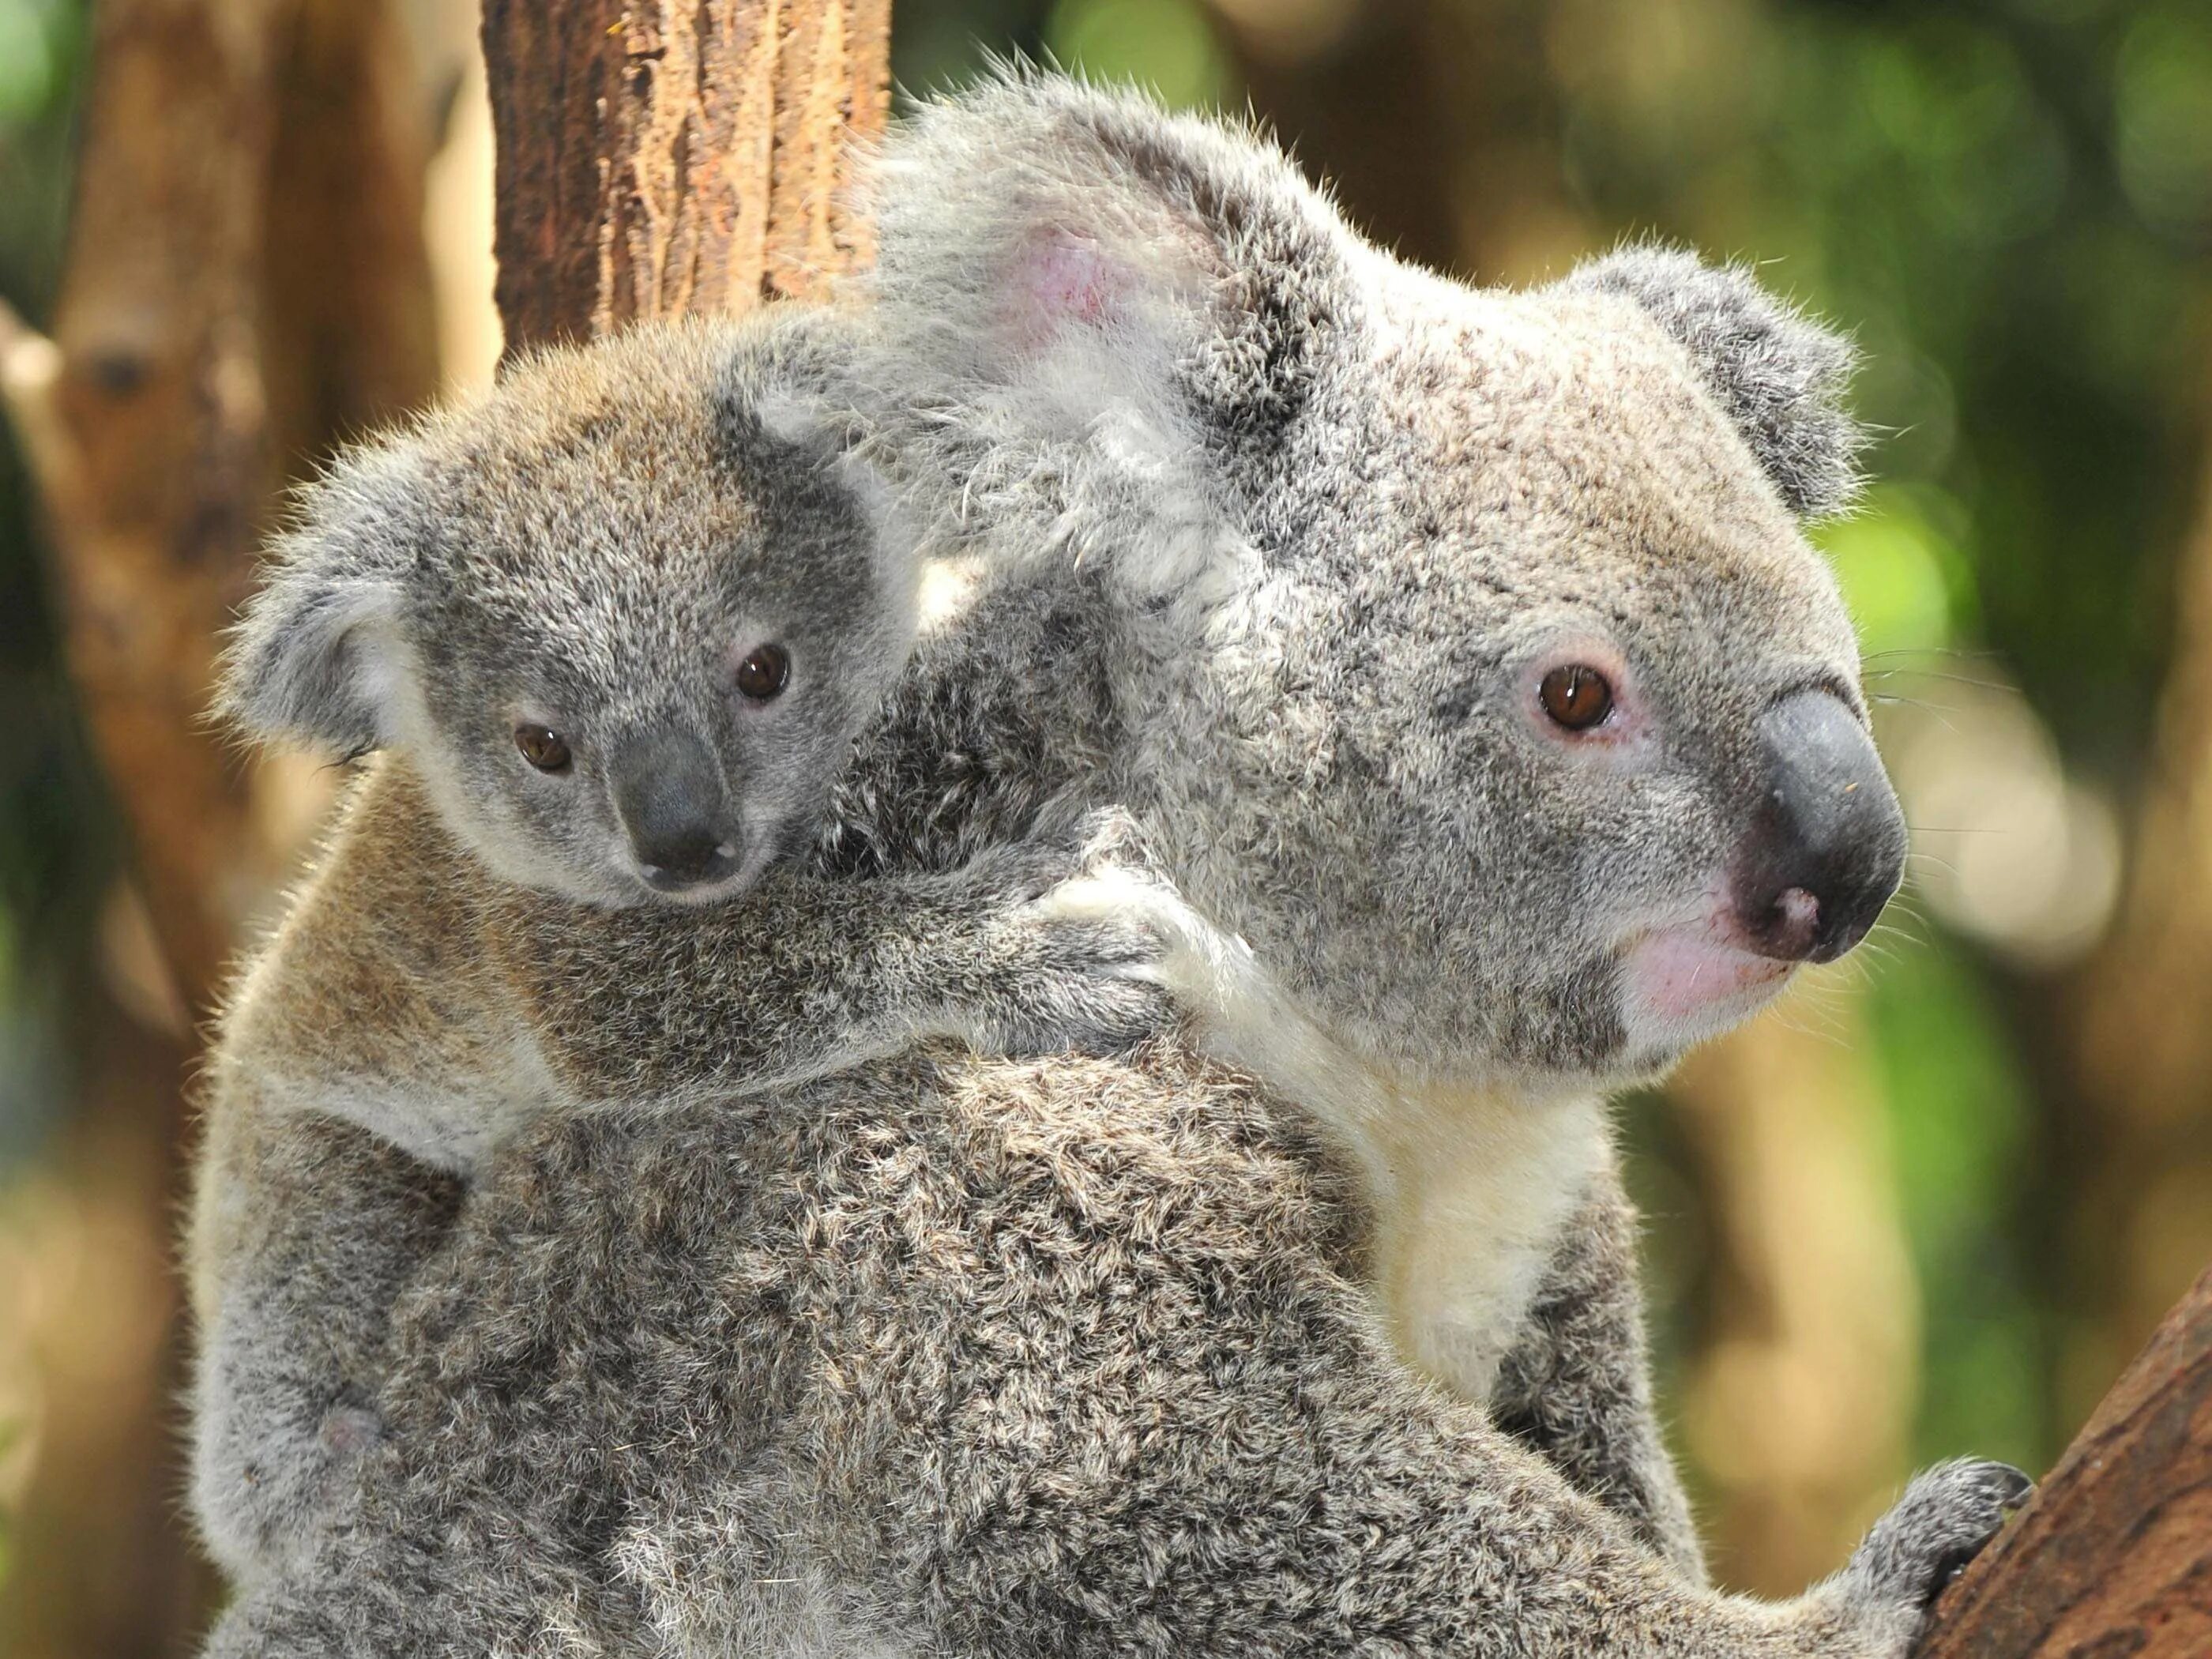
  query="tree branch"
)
[{"x": 2113, "y": 1555}]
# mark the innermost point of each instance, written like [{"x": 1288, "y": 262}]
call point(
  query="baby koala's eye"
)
[
  {"x": 764, "y": 672},
  {"x": 542, "y": 747},
  {"x": 1575, "y": 696}
]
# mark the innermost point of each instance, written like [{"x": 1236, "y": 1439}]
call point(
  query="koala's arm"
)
[
  {"x": 361, "y": 1059},
  {"x": 1235, "y": 1461},
  {"x": 1577, "y": 1386},
  {"x": 644, "y": 1004}
]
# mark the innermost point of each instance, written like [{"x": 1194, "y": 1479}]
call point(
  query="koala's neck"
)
[{"x": 1471, "y": 1184}]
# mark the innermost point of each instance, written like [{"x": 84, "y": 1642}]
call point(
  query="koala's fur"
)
[
  {"x": 475, "y": 947},
  {"x": 944, "y": 1353}
]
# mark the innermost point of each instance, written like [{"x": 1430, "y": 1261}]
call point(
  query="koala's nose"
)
[
  {"x": 1828, "y": 847},
  {"x": 669, "y": 794}
]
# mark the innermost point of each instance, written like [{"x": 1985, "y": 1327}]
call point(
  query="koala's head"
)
[
  {"x": 1519, "y": 728},
  {"x": 624, "y": 614}
]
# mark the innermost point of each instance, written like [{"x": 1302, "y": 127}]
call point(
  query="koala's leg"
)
[
  {"x": 306, "y": 1228},
  {"x": 1577, "y": 1387}
]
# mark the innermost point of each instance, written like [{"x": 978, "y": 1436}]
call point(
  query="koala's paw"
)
[
  {"x": 261, "y": 1494},
  {"x": 1940, "y": 1523},
  {"x": 1067, "y": 845},
  {"x": 1087, "y": 943}
]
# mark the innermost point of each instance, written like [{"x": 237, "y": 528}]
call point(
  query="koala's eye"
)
[
  {"x": 1576, "y": 697},
  {"x": 764, "y": 672},
  {"x": 542, "y": 747}
]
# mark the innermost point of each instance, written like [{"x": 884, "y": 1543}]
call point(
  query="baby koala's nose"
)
[
  {"x": 695, "y": 861},
  {"x": 669, "y": 794},
  {"x": 1826, "y": 847}
]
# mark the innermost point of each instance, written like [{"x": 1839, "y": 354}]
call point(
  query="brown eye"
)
[
  {"x": 1576, "y": 697},
  {"x": 764, "y": 672},
  {"x": 542, "y": 747}
]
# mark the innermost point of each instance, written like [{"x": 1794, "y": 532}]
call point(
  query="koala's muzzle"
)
[
  {"x": 669, "y": 794},
  {"x": 1828, "y": 844}
]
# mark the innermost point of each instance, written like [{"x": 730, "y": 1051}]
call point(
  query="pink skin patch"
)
[
  {"x": 1061, "y": 280},
  {"x": 1686, "y": 980},
  {"x": 1679, "y": 973}
]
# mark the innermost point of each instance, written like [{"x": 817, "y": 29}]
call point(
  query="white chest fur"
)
[{"x": 1470, "y": 1186}]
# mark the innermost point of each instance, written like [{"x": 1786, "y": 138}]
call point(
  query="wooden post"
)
[
  {"x": 656, "y": 159},
  {"x": 2113, "y": 1555}
]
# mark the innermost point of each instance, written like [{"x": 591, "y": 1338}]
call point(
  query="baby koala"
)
[{"x": 614, "y": 628}]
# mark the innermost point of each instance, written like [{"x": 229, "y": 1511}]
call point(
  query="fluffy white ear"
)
[
  {"x": 1780, "y": 375},
  {"x": 315, "y": 656},
  {"x": 1093, "y": 316}
]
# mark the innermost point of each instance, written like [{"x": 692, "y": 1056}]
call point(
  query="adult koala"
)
[{"x": 1456, "y": 651}]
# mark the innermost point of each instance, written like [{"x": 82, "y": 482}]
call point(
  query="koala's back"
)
[{"x": 723, "y": 1323}]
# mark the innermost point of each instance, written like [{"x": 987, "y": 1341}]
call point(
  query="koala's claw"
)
[
  {"x": 1941, "y": 1524},
  {"x": 1066, "y": 846},
  {"x": 1084, "y": 936}
]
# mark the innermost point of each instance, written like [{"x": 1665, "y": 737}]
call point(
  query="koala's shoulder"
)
[{"x": 381, "y": 947}]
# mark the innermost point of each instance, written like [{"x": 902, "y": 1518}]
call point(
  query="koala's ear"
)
[
  {"x": 1127, "y": 303},
  {"x": 315, "y": 656},
  {"x": 1779, "y": 376},
  {"x": 786, "y": 406}
]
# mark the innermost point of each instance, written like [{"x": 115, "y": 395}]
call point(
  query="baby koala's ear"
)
[
  {"x": 1780, "y": 375},
  {"x": 786, "y": 405},
  {"x": 315, "y": 656}
]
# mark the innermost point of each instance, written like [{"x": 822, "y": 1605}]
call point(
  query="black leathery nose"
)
[
  {"x": 670, "y": 794},
  {"x": 1826, "y": 847}
]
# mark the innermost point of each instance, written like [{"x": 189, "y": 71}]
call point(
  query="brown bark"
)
[
  {"x": 2113, "y": 1555},
  {"x": 244, "y": 278},
  {"x": 659, "y": 158},
  {"x": 243, "y": 281},
  {"x": 146, "y": 427}
]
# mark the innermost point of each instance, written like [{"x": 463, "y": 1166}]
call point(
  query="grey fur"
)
[
  {"x": 1780, "y": 376},
  {"x": 470, "y": 953},
  {"x": 939, "y": 1353}
]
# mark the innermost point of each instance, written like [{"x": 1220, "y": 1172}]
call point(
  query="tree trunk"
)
[
  {"x": 655, "y": 160},
  {"x": 246, "y": 220},
  {"x": 2113, "y": 1556},
  {"x": 244, "y": 282}
]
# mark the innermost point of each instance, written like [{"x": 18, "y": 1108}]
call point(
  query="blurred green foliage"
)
[{"x": 57, "y": 845}]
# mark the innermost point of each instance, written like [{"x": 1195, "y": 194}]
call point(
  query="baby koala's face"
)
[{"x": 623, "y": 630}]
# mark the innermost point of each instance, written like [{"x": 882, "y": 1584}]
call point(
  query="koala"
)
[
  {"x": 613, "y": 636},
  {"x": 1458, "y": 658}
]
